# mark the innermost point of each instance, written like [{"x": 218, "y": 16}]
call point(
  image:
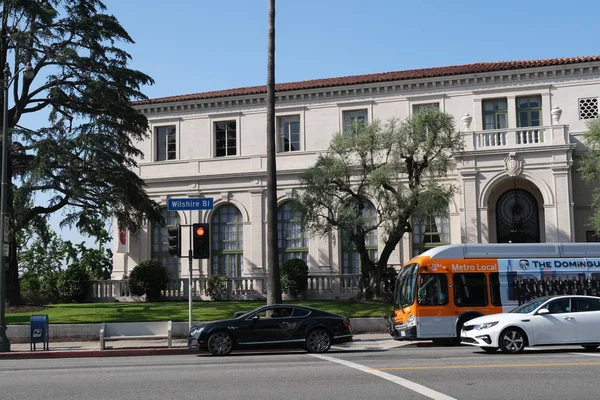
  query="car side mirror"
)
[
  {"x": 255, "y": 317},
  {"x": 543, "y": 311}
]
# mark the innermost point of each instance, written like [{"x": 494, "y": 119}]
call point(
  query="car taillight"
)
[{"x": 347, "y": 324}]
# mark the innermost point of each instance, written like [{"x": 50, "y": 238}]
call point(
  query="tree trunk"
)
[{"x": 274, "y": 280}]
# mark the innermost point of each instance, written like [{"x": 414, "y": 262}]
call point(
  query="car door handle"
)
[{"x": 568, "y": 318}]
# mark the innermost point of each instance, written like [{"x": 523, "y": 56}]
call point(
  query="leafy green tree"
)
[
  {"x": 590, "y": 166},
  {"x": 84, "y": 158},
  {"x": 399, "y": 166},
  {"x": 51, "y": 267},
  {"x": 74, "y": 284}
]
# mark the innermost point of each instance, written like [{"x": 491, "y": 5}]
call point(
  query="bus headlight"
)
[{"x": 411, "y": 321}]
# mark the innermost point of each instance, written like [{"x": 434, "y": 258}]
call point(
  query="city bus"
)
[{"x": 439, "y": 290}]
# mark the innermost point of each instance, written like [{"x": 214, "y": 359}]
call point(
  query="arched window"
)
[
  {"x": 227, "y": 243},
  {"x": 429, "y": 232},
  {"x": 291, "y": 238},
  {"x": 160, "y": 244},
  {"x": 350, "y": 257}
]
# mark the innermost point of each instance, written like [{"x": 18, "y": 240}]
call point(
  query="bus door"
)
[{"x": 434, "y": 319}]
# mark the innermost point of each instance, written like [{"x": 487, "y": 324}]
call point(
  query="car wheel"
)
[
  {"x": 318, "y": 341},
  {"x": 220, "y": 343},
  {"x": 512, "y": 340},
  {"x": 590, "y": 346},
  {"x": 489, "y": 350}
]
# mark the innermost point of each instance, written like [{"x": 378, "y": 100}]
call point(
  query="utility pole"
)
[{"x": 274, "y": 279}]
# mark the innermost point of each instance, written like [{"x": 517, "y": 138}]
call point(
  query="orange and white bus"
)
[{"x": 442, "y": 288}]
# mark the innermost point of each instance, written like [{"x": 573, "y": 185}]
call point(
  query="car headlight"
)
[
  {"x": 487, "y": 325},
  {"x": 196, "y": 331},
  {"x": 411, "y": 321}
]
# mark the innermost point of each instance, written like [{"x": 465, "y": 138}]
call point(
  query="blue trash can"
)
[{"x": 39, "y": 331}]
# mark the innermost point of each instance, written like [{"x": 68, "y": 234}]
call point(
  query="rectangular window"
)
[
  {"x": 226, "y": 138},
  {"x": 430, "y": 232},
  {"x": 529, "y": 111},
  {"x": 418, "y": 107},
  {"x": 470, "y": 290},
  {"x": 588, "y": 108},
  {"x": 166, "y": 143},
  {"x": 495, "y": 114},
  {"x": 289, "y": 134},
  {"x": 592, "y": 236},
  {"x": 356, "y": 115}
]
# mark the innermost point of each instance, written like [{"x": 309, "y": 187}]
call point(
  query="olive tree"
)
[{"x": 399, "y": 166}]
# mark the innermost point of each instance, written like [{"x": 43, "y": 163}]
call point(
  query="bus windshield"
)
[{"x": 405, "y": 286}]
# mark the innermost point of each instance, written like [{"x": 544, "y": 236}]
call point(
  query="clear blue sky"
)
[{"x": 191, "y": 46}]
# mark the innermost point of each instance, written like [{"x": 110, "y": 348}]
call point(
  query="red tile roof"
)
[{"x": 380, "y": 77}]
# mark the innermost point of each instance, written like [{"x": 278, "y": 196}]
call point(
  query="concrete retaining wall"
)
[{"x": 20, "y": 333}]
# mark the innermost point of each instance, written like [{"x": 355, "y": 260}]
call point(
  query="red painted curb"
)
[{"x": 22, "y": 355}]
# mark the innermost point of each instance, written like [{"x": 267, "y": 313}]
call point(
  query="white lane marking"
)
[{"x": 425, "y": 391}]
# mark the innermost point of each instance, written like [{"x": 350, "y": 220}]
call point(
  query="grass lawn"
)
[{"x": 177, "y": 311}]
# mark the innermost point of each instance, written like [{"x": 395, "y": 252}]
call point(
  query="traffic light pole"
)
[{"x": 190, "y": 286}]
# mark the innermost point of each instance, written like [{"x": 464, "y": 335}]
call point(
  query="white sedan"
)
[{"x": 554, "y": 320}]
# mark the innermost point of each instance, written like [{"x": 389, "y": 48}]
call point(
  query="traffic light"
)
[
  {"x": 201, "y": 240},
  {"x": 174, "y": 233}
]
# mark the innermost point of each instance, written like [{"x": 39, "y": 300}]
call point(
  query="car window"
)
[
  {"x": 300, "y": 312},
  {"x": 559, "y": 306},
  {"x": 275, "y": 313},
  {"x": 583, "y": 305}
]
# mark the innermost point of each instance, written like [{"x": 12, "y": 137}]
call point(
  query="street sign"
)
[{"x": 189, "y": 203}]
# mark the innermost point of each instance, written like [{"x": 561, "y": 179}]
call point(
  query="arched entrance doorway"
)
[{"x": 517, "y": 217}]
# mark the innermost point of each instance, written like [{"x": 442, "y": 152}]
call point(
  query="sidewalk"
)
[{"x": 127, "y": 348}]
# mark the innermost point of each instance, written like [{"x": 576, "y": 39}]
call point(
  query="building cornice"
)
[{"x": 407, "y": 89}]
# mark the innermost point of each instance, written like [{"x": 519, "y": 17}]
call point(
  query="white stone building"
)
[{"x": 522, "y": 122}]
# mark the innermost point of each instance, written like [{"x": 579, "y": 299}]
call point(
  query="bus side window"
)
[
  {"x": 433, "y": 289},
  {"x": 470, "y": 289},
  {"x": 495, "y": 287}
]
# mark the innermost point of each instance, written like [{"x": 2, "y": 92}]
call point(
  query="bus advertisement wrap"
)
[{"x": 525, "y": 278}]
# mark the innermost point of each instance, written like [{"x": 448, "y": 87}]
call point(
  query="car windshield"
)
[{"x": 530, "y": 305}]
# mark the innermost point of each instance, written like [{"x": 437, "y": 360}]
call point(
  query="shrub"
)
[
  {"x": 216, "y": 287},
  {"x": 49, "y": 286},
  {"x": 148, "y": 278},
  {"x": 30, "y": 282},
  {"x": 73, "y": 284},
  {"x": 294, "y": 276},
  {"x": 30, "y": 288}
]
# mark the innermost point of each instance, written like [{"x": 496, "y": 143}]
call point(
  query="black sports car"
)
[{"x": 275, "y": 326}]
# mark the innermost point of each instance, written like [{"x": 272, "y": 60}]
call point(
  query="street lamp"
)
[{"x": 28, "y": 73}]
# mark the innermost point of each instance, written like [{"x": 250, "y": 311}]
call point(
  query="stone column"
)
[
  {"x": 254, "y": 236},
  {"x": 471, "y": 223},
  {"x": 564, "y": 203}
]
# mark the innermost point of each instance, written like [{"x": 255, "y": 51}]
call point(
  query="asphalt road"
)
[{"x": 366, "y": 371}]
